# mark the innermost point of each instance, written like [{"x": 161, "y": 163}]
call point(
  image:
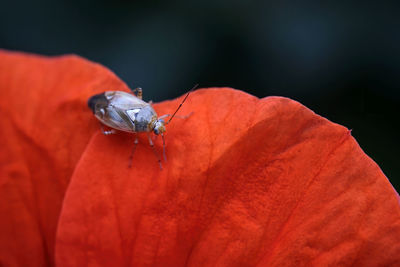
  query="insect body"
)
[{"x": 127, "y": 112}]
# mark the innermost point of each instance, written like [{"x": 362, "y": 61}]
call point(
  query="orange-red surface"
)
[{"x": 248, "y": 182}]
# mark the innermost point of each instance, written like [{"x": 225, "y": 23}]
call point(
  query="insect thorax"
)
[{"x": 142, "y": 118}]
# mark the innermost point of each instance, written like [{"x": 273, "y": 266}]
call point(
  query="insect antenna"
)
[{"x": 183, "y": 101}]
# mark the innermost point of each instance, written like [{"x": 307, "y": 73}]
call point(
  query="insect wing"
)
[
  {"x": 119, "y": 108},
  {"x": 123, "y": 100}
]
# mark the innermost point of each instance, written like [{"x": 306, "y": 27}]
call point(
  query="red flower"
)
[{"x": 248, "y": 181}]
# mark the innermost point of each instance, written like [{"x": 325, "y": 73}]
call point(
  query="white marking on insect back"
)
[{"x": 132, "y": 113}]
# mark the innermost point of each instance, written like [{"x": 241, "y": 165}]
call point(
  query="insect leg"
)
[
  {"x": 154, "y": 150},
  {"x": 138, "y": 92},
  {"x": 177, "y": 116},
  {"x": 133, "y": 150},
  {"x": 163, "y": 151},
  {"x": 164, "y": 116},
  {"x": 106, "y": 132}
]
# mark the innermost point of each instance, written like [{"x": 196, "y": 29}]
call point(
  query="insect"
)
[{"x": 129, "y": 113}]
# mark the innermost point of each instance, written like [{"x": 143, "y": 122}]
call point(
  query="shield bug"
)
[{"x": 129, "y": 113}]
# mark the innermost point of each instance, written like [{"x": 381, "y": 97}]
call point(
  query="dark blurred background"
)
[{"x": 341, "y": 59}]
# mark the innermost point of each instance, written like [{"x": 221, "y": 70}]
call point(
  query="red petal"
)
[
  {"x": 247, "y": 182},
  {"x": 45, "y": 126}
]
